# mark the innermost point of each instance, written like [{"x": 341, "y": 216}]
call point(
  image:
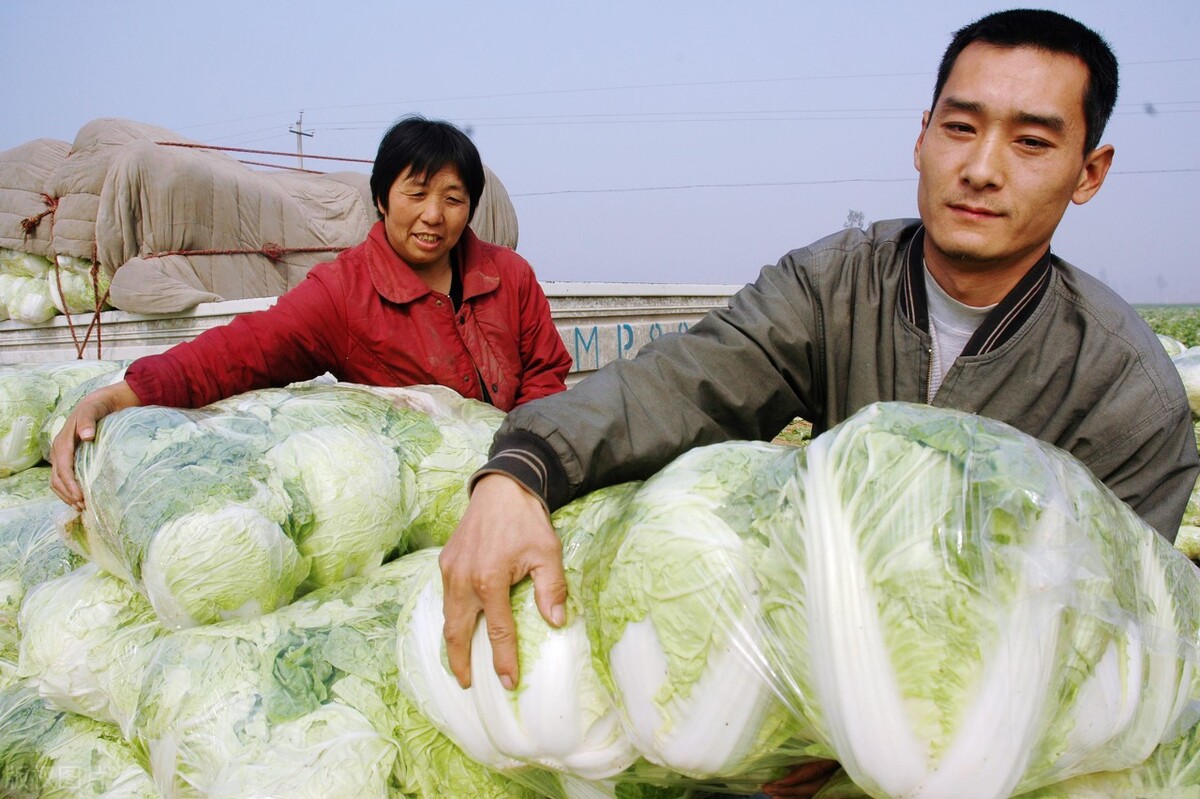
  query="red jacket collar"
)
[{"x": 397, "y": 282}]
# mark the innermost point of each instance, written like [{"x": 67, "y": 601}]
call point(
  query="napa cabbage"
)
[
  {"x": 76, "y": 284},
  {"x": 955, "y": 604},
  {"x": 53, "y": 754},
  {"x": 674, "y": 597},
  {"x": 85, "y": 637},
  {"x": 1188, "y": 365},
  {"x": 234, "y": 509},
  {"x": 31, "y": 552}
]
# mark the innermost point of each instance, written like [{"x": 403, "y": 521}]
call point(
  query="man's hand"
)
[
  {"x": 802, "y": 783},
  {"x": 81, "y": 426},
  {"x": 504, "y": 536}
]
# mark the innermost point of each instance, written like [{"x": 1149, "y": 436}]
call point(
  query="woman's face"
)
[{"x": 424, "y": 219}]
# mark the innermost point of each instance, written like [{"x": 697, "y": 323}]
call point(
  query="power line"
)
[{"x": 785, "y": 183}]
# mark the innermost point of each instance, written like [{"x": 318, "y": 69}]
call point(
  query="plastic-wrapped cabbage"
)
[
  {"x": 182, "y": 505},
  {"x": 70, "y": 396},
  {"x": 300, "y": 702},
  {"x": 228, "y": 510},
  {"x": 1171, "y": 772},
  {"x": 29, "y": 395},
  {"x": 524, "y": 722},
  {"x": 25, "y": 486},
  {"x": 52, "y": 754},
  {"x": 432, "y": 766},
  {"x": 674, "y": 598},
  {"x": 75, "y": 283},
  {"x": 31, "y": 552},
  {"x": 345, "y": 518},
  {"x": 961, "y": 609},
  {"x": 1172, "y": 345},
  {"x": 462, "y": 432},
  {"x": 85, "y": 637},
  {"x": 1188, "y": 364},
  {"x": 561, "y": 716}
]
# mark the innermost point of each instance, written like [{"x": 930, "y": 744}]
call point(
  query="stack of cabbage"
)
[
  {"x": 938, "y": 602},
  {"x": 34, "y": 401},
  {"x": 1187, "y": 361},
  {"x": 33, "y": 288}
]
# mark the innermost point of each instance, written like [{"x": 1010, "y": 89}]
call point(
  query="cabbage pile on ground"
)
[{"x": 938, "y": 602}]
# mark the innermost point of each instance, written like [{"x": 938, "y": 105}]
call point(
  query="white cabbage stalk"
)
[
  {"x": 425, "y": 677},
  {"x": 673, "y": 599},
  {"x": 561, "y": 716},
  {"x": 85, "y": 638},
  {"x": 229, "y": 563},
  {"x": 961, "y": 609}
]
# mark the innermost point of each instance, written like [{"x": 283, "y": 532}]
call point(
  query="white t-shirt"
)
[{"x": 951, "y": 325}]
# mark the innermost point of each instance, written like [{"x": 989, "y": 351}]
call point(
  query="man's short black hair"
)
[
  {"x": 1053, "y": 32},
  {"x": 425, "y": 147}
]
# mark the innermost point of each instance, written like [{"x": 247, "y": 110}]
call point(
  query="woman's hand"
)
[
  {"x": 81, "y": 426},
  {"x": 504, "y": 535},
  {"x": 802, "y": 783}
]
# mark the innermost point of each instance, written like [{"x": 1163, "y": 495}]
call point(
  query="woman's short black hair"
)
[{"x": 425, "y": 147}]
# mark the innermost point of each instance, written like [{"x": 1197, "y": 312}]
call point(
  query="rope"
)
[
  {"x": 94, "y": 324},
  {"x": 30, "y": 224},
  {"x": 196, "y": 146},
  {"x": 270, "y": 250},
  {"x": 281, "y": 166}
]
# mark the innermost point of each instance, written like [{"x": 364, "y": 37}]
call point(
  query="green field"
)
[{"x": 1180, "y": 322}]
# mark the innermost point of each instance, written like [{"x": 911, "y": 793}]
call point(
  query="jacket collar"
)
[
  {"x": 397, "y": 282},
  {"x": 1004, "y": 320}
]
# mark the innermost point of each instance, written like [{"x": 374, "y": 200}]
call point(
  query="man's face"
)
[{"x": 1001, "y": 156}]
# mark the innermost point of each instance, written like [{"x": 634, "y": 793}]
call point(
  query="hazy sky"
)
[{"x": 645, "y": 141}]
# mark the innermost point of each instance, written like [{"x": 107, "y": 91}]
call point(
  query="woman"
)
[{"x": 421, "y": 301}]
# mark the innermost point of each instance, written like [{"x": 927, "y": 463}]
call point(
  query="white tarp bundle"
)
[{"x": 174, "y": 224}]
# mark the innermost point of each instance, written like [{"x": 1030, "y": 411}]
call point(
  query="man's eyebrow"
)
[{"x": 1051, "y": 122}]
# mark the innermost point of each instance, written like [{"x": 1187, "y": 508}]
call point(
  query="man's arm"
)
[
  {"x": 1159, "y": 472},
  {"x": 739, "y": 373}
]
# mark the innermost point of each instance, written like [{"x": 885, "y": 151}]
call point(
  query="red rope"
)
[
  {"x": 270, "y": 250},
  {"x": 280, "y": 166},
  {"x": 28, "y": 225},
  {"x": 197, "y": 146}
]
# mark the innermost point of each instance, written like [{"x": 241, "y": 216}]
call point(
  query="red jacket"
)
[{"x": 367, "y": 318}]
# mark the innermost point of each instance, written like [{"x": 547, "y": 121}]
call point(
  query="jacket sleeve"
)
[
  {"x": 544, "y": 358},
  {"x": 291, "y": 341},
  {"x": 741, "y": 372},
  {"x": 1158, "y": 469}
]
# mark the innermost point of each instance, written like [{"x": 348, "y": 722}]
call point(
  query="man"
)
[{"x": 966, "y": 308}]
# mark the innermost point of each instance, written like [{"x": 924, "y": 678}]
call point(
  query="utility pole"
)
[{"x": 300, "y": 134}]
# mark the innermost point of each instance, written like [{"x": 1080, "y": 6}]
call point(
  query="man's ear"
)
[
  {"x": 1091, "y": 177},
  {"x": 920, "y": 138}
]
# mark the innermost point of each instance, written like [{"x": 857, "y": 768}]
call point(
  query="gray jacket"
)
[{"x": 841, "y": 324}]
